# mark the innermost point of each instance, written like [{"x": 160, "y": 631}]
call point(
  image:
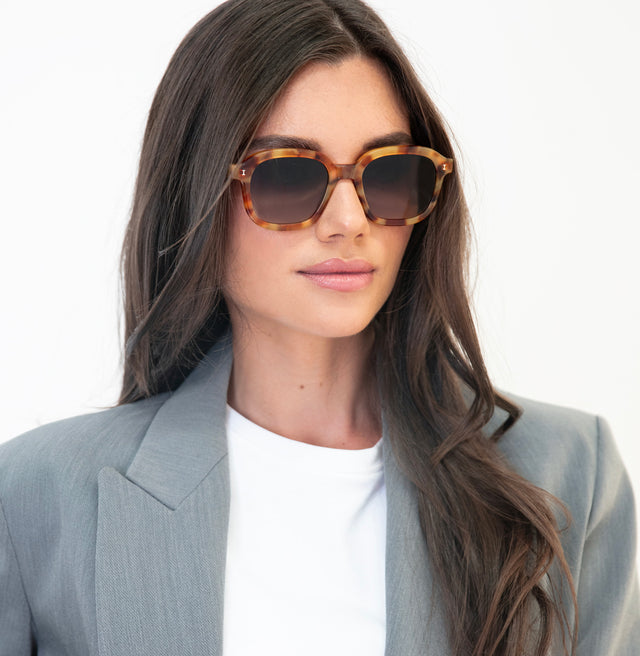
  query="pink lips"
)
[{"x": 340, "y": 275}]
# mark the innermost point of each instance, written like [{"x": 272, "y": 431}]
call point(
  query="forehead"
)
[{"x": 339, "y": 106}]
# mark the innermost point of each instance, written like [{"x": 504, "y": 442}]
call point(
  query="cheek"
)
[
  {"x": 253, "y": 256},
  {"x": 397, "y": 246},
  {"x": 398, "y": 241},
  {"x": 243, "y": 254}
]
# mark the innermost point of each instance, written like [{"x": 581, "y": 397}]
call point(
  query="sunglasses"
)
[{"x": 288, "y": 188}]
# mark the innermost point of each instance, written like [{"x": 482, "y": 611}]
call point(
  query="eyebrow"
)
[
  {"x": 278, "y": 141},
  {"x": 281, "y": 141},
  {"x": 392, "y": 139}
]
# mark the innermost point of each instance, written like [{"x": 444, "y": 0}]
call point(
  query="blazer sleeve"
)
[
  {"x": 607, "y": 586},
  {"x": 15, "y": 622}
]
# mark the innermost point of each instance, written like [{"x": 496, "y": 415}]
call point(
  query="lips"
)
[{"x": 340, "y": 275}]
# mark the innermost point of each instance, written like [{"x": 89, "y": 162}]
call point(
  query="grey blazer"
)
[{"x": 113, "y": 530}]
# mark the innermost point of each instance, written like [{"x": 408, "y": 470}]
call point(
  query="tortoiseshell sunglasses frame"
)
[{"x": 242, "y": 171}]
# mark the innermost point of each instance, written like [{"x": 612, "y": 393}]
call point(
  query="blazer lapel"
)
[
  {"x": 415, "y": 623},
  {"x": 162, "y": 528}
]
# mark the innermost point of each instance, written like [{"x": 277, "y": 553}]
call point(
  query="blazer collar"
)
[{"x": 187, "y": 437}]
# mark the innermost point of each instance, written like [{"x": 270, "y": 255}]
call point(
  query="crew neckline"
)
[{"x": 245, "y": 433}]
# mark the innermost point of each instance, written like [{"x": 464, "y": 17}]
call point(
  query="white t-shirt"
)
[{"x": 305, "y": 572}]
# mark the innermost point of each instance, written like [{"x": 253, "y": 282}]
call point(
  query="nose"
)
[{"x": 343, "y": 216}]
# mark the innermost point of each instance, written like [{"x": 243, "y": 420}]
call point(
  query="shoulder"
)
[
  {"x": 60, "y": 453},
  {"x": 572, "y": 455},
  {"x": 549, "y": 435},
  {"x": 550, "y": 440}
]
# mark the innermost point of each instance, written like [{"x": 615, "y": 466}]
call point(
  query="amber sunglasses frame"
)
[{"x": 243, "y": 170}]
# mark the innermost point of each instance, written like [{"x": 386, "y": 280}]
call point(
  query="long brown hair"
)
[{"x": 492, "y": 535}]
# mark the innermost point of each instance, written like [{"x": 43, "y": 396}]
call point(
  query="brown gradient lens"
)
[
  {"x": 399, "y": 186},
  {"x": 288, "y": 189}
]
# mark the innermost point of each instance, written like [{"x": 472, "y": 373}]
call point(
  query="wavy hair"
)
[{"x": 493, "y": 537}]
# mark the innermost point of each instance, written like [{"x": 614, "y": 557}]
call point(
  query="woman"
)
[{"x": 308, "y": 456}]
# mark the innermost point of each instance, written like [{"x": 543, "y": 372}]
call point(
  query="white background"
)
[{"x": 543, "y": 98}]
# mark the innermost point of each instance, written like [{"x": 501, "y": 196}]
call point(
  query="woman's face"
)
[{"x": 302, "y": 281}]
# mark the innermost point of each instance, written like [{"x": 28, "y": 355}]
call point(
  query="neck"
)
[{"x": 316, "y": 390}]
